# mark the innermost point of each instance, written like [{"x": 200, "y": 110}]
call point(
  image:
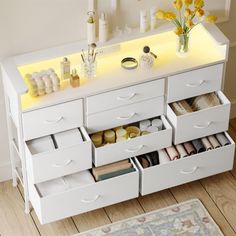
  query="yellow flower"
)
[
  {"x": 188, "y": 2},
  {"x": 160, "y": 15},
  {"x": 211, "y": 19},
  {"x": 179, "y": 31},
  {"x": 200, "y": 12},
  {"x": 169, "y": 16},
  {"x": 189, "y": 24},
  {"x": 198, "y": 4},
  {"x": 187, "y": 13},
  {"x": 178, "y": 4}
]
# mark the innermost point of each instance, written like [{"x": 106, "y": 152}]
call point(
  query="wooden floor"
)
[{"x": 218, "y": 194}]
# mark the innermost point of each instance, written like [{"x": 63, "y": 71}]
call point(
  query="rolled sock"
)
[
  {"x": 198, "y": 145},
  {"x": 155, "y": 158},
  {"x": 152, "y": 129},
  {"x": 163, "y": 156},
  {"x": 181, "y": 150},
  {"x": 143, "y": 161},
  {"x": 222, "y": 139},
  {"x": 149, "y": 159},
  {"x": 189, "y": 148},
  {"x": 214, "y": 142},
  {"x": 157, "y": 123},
  {"x": 143, "y": 125},
  {"x": 206, "y": 144},
  {"x": 172, "y": 153}
]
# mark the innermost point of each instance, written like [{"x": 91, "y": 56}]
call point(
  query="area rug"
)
[{"x": 185, "y": 219}]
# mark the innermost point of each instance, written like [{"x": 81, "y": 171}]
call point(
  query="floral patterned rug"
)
[{"x": 186, "y": 219}]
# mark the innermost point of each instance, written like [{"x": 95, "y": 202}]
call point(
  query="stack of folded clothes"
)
[
  {"x": 112, "y": 170},
  {"x": 195, "y": 104},
  {"x": 183, "y": 150}
]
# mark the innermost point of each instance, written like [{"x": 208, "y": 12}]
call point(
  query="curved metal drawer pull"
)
[
  {"x": 127, "y": 97},
  {"x": 91, "y": 200},
  {"x": 60, "y": 118},
  {"x": 136, "y": 149},
  {"x": 201, "y": 82},
  {"x": 126, "y": 117},
  {"x": 189, "y": 172},
  {"x": 62, "y": 165},
  {"x": 203, "y": 126}
]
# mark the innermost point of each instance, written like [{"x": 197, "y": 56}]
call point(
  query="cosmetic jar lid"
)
[{"x": 129, "y": 63}]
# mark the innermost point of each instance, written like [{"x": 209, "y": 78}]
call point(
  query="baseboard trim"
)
[
  {"x": 233, "y": 109},
  {"x": 5, "y": 172}
]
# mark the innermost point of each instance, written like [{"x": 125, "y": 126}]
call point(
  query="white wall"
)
[{"x": 27, "y": 25}]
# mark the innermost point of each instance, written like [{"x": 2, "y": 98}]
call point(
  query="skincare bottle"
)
[
  {"x": 153, "y": 19},
  {"x": 103, "y": 29},
  {"x": 65, "y": 69},
  {"x": 75, "y": 79},
  {"x": 144, "y": 24},
  {"x": 91, "y": 28}
]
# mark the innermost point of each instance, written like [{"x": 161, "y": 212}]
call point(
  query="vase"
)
[{"x": 183, "y": 44}]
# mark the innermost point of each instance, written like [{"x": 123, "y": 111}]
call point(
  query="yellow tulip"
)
[
  {"x": 188, "y": 2},
  {"x": 189, "y": 24},
  {"x": 198, "y": 4},
  {"x": 187, "y": 12},
  {"x": 179, "y": 31},
  {"x": 200, "y": 12},
  {"x": 211, "y": 19},
  {"x": 160, "y": 15},
  {"x": 169, "y": 16},
  {"x": 178, "y": 4}
]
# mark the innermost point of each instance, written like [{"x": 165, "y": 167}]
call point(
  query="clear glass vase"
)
[{"x": 183, "y": 44}]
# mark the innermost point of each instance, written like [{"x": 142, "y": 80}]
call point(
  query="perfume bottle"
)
[
  {"x": 75, "y": 79},
  {"x": 91, "y": 27},
  {"x": 147, "y": 58},
  {"x": 65, "y": 69}
]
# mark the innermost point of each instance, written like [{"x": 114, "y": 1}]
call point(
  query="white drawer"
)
[
  {"x": 125, "y": 96},
  {"x": 52, "y": 119},
  {"x": 200, "y": 123},
  {"x": 133, "y": 147},
  {"x": 125, "y": 115},
  {"x": 59, "y": 162},
  {"x": 85, "y": 198},
  {"x": 187, "y": 169},
  {"x": 195, "y": 83}
]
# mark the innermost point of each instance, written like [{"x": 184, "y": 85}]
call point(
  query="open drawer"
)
[
  {"x": 200, "y": 123},
  {"x": 186, "y": 169},
  {"x": 133, "y": 147},
  {"x": 59, "y": 162},
  {"x": 85, "y": 198}
]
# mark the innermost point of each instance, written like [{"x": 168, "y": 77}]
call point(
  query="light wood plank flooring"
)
[{"x": 218, "y": 194}]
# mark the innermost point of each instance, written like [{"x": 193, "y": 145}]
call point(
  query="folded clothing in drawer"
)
[
  {"x": 112, "y": 170},
  {"x": 68, "y": 138},
  {"x": 183, "y": 150},
  {"x": 41, "y": 145},
  {"x": 65, "y": 183}
]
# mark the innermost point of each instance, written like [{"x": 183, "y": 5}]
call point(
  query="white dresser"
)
[{"x": 117, "y": 97}]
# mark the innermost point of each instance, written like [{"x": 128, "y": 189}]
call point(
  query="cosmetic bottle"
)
[
  {"x": 65, "y": 69},
  {"x": 147, "y": 58},
  {"x": 75, "y": 79},
  {"x": 144, "y": 24},
  {"x": 91, "y": 28},
  {"x": 153, "y": 19},
  {"x": 103, "y": 28}
]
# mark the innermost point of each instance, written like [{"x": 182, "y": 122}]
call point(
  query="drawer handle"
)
[
  {"x": 201, "y": 82},
  {"x": 126, "y": 117},
  {"x": 54, "y": 121},
  {"x": 184, "y": 172},
  {"x": 203, "y": 126},
  {"x": 91, "y": 200},
  {"x": 136, "y": 149},
  {"x": 62, "y": 165},
  {"x": 127, "y": 97}
]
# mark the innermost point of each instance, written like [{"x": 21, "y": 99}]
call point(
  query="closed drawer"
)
[
  {"x": 124, "y": 115},
  {"x": 85, "y": 198},
  {"x": 137, "y": 146},
  {"x": 195, "y": 83},
  {"x": 59, "y": 162},
  {"x": 200, "y": 123},
  {"x": 52, "y": 119},
  {"x": 125, "y": 96},
  {"x": 187, "y": 169}
]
